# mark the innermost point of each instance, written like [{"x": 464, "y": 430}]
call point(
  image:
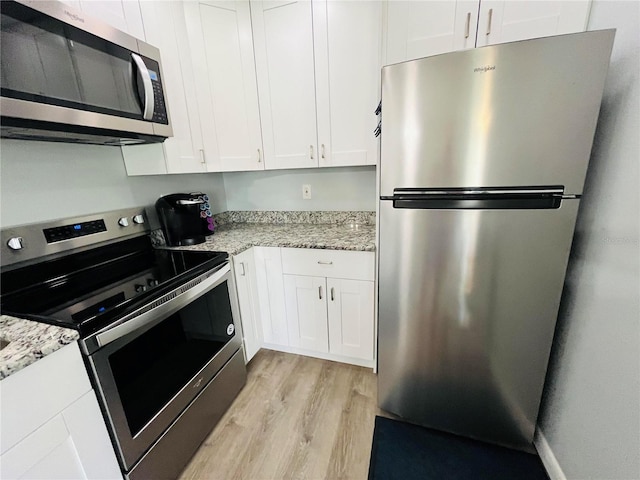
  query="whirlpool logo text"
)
[{"x": 486, "y": 68}]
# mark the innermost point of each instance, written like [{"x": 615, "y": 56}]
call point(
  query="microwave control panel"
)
[{"x": 160, "y": 106}]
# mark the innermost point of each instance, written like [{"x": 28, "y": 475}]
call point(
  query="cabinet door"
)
[
  {"x": 270, "y": 290},
  {"x": 347, "y": 44},
  {"x": 221, "y": 43},
  {"x": 122, "y": 14},
  {"x": 247, "y": 299},
  {"x": 307, "y": 312},
  {"x": 166, "y": 29},
  {"x": 283, "y": 43},
  {"x": 351, "y": 318},
  {"x": 416, "y": 29},
  {"x": 513, "y": 20}
]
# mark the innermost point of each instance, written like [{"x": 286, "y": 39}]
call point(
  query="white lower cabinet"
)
[
  {"x": 305, "y": 298},
  {"x": 270, "y": 295},
  {"x": 52, "y": 427},
  {"x": 350, "y": 316},
  {"x": 245, "y": 276},
  {"x": 330, "y": 315},
  {"x": 307, "y": 301}
]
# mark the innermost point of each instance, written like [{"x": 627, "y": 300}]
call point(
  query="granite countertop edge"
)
[
  {"x": 29, "y": 341},
  {"x": 235, "y": 238}
]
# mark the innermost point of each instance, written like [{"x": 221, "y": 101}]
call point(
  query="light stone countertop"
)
[
  {"x": 234, "y": 238},
  {"x": 29, "y": 341}
]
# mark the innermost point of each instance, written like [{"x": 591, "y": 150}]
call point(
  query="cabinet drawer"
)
[{"x": 329, "y": 263}]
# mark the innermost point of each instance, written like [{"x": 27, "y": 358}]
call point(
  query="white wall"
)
[
  {"x": 591, "y": 409},
  {"x": 43, "y": 181},
  {"x": 346, "y": 188}
]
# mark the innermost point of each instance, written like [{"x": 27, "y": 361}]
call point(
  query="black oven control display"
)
[{"x": 58, "y": 234}]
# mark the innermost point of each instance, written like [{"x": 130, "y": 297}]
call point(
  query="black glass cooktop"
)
[{"x": 91, "y": 289}]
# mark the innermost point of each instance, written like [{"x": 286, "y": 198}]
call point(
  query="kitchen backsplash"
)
[{"x": 254, "y": 216}]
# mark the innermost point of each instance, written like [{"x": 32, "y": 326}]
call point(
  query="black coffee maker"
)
[{"x": 185, "y": 218}]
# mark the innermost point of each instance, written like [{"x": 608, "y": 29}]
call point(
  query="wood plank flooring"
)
[{"x": 297, "y": 418}]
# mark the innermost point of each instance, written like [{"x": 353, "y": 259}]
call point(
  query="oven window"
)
[{"x": 152, "y": 368}]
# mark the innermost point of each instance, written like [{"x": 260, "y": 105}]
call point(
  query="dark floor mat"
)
[{"x": 405, "y": 452}]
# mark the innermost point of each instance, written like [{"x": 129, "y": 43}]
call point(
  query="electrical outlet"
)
[{"x": 306, "y": 192}]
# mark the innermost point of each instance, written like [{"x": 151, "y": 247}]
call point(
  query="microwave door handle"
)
[{"x": 149, "y": 97}]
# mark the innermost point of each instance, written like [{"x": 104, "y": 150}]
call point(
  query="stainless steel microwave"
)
[{"x": 68, "y": 77}]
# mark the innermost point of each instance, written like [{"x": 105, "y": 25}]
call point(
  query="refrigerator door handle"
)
[
  {"x": 550, "y": 190},
  {"x": 490, "y": 198}
]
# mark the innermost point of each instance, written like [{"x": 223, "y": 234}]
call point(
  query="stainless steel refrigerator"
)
[{"x": 483, "y": 159}]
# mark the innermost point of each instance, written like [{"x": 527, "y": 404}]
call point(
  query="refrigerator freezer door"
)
[
  {"x": 518, "y": 114},
  {"x": 468, "y": 301}
]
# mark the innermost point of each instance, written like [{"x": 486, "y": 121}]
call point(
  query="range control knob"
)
[
  {"x": 123, "y": 222},
  {"x": 15, "y": 243},
  {"x": 138, "y": 219}
]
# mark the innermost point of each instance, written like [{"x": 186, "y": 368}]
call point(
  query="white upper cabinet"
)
[
  {"x": 347, "y": 44},
  {"x": 121, "y": 14},
  {"x": 225, "y": 76},
  {"x": 165, "y": 28},
  {"x": 283, "y": 43},
  {"x": 418, "y": 29},
  {"x": 513, "y": 20}
]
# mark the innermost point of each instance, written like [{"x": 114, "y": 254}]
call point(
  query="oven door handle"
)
[{"x": 137, "y": 320}]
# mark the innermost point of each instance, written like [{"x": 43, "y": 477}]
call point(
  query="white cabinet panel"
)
[
  {"x": 347, "y": 43},
  {"x": 270, "y": 288},
  {"x": 23, "y": 409},
  {"x": 121, "y": 14},
  {"x": 52, "y": 427},
  {"x": 91, "y": 439},
  {"x": 221, "y": 45},
  {"x": 33, "y": 449},
  {"x": 246, "y": 286},
  {"x": 283, "y": 43},
  {"x": 61, "y": 464},
  {"x": 418, "y": 29},
  {"x": 307, "y": 312},
  {"x": 232, "y": 110},
  {"x": 166, "y": 29},
  {"x": 513, "y": 20},
  {"x": 351, "y": 317}
]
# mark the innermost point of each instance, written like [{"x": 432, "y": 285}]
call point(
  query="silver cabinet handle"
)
[
  {"x": 320, "y": 293},
  {"x": 321, "y": 262},
  {"x": 311, "y": 151},
  {"x": 203, "y": 160},
  {"x": 467, "y": 25},
  {"x": 333, "y": 294},
  {"x": 149, "y": 98},
  {"x": 322, "y": 151},
  {"x": 242, "y": 272},
  {"x": 259, "y": 156},
  {"x": 489, "y": 22}
]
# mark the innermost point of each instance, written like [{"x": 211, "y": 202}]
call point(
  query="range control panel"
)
[
  {"x": 57, "y": 234},
  {"x": 37, "y": 240}
]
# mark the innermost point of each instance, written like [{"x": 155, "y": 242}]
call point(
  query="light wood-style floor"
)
[{"x": 297, "y": 418}]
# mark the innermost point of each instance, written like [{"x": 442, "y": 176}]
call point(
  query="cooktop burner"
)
[{"x": 91, "y": 289}]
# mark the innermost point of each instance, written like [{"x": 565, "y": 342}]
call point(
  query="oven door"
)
[{"x": 152, "y": 366}]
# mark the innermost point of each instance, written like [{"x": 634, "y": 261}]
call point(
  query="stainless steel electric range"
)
[{"x": 158, "y": 328}]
